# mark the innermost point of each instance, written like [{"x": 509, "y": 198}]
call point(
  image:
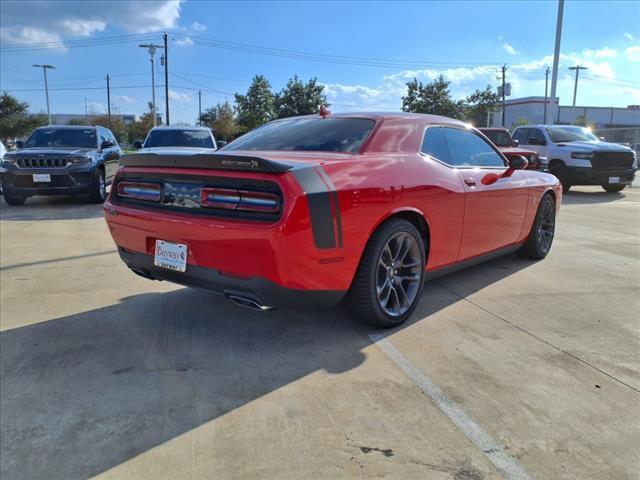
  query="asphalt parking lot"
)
[{"x": 535, "y": 365}]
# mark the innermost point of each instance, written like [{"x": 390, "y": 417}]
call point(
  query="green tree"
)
[
  {"x": 257, "y": 106},
  {"x": 434, "y": 98},
  {"x": 138, "y": 130},
  {"x": 15, "y": 119},
  {"x": 299, "y": 98},
  {"x": 479, "y": 104},
  {"x": 519, "y": 122},
  {"x": 221, "y": 118}
]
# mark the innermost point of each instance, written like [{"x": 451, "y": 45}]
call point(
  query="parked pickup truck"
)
[
  {"x": 501, "y": 138},
  {"x": 577, "y": 157},
  {"x": 65, "y": 160}
]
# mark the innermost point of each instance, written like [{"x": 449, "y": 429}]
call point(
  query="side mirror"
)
[
  {"x": 19, "y": 143},
  {"x": 220, "y": 144},
  {"x": 137, "y": 144},
  {"x": 516, "y": 143},
  {"x": 518, "y": 163},
  {"x": 536, "y": 141},
  {"x": 106, "y": 144}
]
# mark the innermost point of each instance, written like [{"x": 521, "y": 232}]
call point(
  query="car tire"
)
[
  {"x": 615, "y": 188},
  {"x": 15, "y": 200},
  {"x": 560, "y": 172},
  {"x": 98, "y": 187},
  {"x": 542, "y": 231},
  {"x": 389, "y": 280}
]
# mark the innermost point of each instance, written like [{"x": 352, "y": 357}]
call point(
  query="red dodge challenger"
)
[{"x": 309, "y": 210}]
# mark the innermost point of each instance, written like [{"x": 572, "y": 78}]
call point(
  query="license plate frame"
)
[
  {"x": 614, "y": 179},
  {"x": 170, "y": 256},
  {"x": 41, "y": 178}
]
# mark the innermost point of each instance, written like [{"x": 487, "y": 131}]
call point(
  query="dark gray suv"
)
[{"x": 65, "y": 160}]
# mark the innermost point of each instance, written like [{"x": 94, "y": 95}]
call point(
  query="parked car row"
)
[
  {"x": 82, "y": 160},
  {"x": 310, "y": 210}
]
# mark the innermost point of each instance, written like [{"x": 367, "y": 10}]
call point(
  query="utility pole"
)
[
  {"x": 166, "y": 78},
  {"x": 108, "y": 99},
  {"x": 546, "y": 98},
  {"x": 504, "y": 92},
  {"x": 200, "y": 108},
  {"x": 577, "y": 68},
  {"x": 556, "y": 59},
  {"x": 86, "y": 113},
  {"x": 152, "y": 51},
  {"x": 46, "y": 87}
]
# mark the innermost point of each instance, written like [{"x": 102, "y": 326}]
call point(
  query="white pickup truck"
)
[{"x": 577, "y": 157}]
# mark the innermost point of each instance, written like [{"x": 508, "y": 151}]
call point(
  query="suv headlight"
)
[
  {"x": 76, "y": 160},
  {"x": 585, "y": 155}
]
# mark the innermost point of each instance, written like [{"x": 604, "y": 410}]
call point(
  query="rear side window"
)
[
  {"x": 521, "y": 135},
  {"x": 466, "y": 149},
  {"x": 308, "y": 134},
  {"x": 435, "y": 145}
]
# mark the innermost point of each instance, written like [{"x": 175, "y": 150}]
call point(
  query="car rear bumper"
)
[
  {"x": 259, "y": 290},
  {"x": 21, "y": 183},
  {"x": 591, "y": 176}
]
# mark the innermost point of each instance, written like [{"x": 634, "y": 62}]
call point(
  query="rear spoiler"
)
[{"x": 213, "y": 161}]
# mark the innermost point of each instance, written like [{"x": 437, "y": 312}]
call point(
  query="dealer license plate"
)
[
  {"x": 41, "y": 177},
  {"x": 614, "y": 179},
  {"x": 172, "y": 256}
]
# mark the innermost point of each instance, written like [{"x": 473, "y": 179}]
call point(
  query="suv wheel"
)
[
  {"x": 560, "y": 172},
  {"x": 98, "y": 188},
  {"x": 615, "y": 188},
  {"x": 14, "y": 199},
  {"x": 389, "y": 280},
  {"x": 542, "y": 231}
]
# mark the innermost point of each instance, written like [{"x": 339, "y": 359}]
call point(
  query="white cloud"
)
[
  {"x": 186, "y": 41},
  {"x": 124, "y": 99},
  {"x": 29, "y": 35},
  {"x": 628, "y": 37},
  {"x": 633, "y": 53},
  {"x": 55, "y": 20},
  {"x": 604, "y": 52},
  {"x": 82, "y": 28},
  {"x": 96, "y": 107},
  {"x": 509, "y": 49},
  {"x": 198, "y": 27},
  {"x": 179, "y": 96}
]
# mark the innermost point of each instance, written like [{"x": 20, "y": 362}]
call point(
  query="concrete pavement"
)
[{"x": 106, "y": 374}]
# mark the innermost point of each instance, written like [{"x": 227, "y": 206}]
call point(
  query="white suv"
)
[{"x": 577, "y": 157}]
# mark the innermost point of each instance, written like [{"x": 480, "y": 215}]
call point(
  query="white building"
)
[{"x": 614, "y": 123}]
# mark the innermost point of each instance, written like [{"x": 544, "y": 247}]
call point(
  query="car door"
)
[
  {"x": 536, "y": 141},
  {"x": 495, "y": 197},
  {"x": 109, "y": 156}
]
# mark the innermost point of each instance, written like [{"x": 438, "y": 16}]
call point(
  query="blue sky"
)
[{"x": 465, "y": 41}]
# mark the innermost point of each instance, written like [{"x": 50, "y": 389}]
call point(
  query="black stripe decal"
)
[
  {"x": 335, "y": 203},
  {"x": 319, "y": 206}
]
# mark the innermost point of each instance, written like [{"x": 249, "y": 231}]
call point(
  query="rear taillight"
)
[
  {"x": 149, "y": 192},
  {"x": 244, "y": 200}
]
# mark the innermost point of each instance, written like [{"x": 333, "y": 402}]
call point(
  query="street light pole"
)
[
  {"x": 152, "y": 51},
  {"x": 577, "y": 68},
  {"x": 556, "y": 59},
  {"x": 546, "y": 97},
  {"x": 46, "y": 87}
]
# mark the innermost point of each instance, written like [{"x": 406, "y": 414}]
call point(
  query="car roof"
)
[
  {"x": 493, "y": 129},
  {"x": 180, "y": 127},
  {"x": 74, "y": 127},
  {"x": 398, "y": 116}
]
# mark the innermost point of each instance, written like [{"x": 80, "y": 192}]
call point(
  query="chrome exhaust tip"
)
[{"x": 249, "y": 303}]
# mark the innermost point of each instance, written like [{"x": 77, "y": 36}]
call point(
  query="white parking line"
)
[{"x": 506, "y": 464}]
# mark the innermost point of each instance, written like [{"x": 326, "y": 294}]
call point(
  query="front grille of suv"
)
[
  {"x": 612, "y": 160},
  {"x": 42, "y": 162}
]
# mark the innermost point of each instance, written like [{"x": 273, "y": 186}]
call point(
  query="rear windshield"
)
[
  {"x": 63, "y": 137},
  {"x": 500, "y": 138},
  {"x": 312, "y": 134},
  {"x": 179, "y": 138}
]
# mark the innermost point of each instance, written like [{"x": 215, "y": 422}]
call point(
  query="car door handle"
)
[{"x": 470, "y": 181}]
